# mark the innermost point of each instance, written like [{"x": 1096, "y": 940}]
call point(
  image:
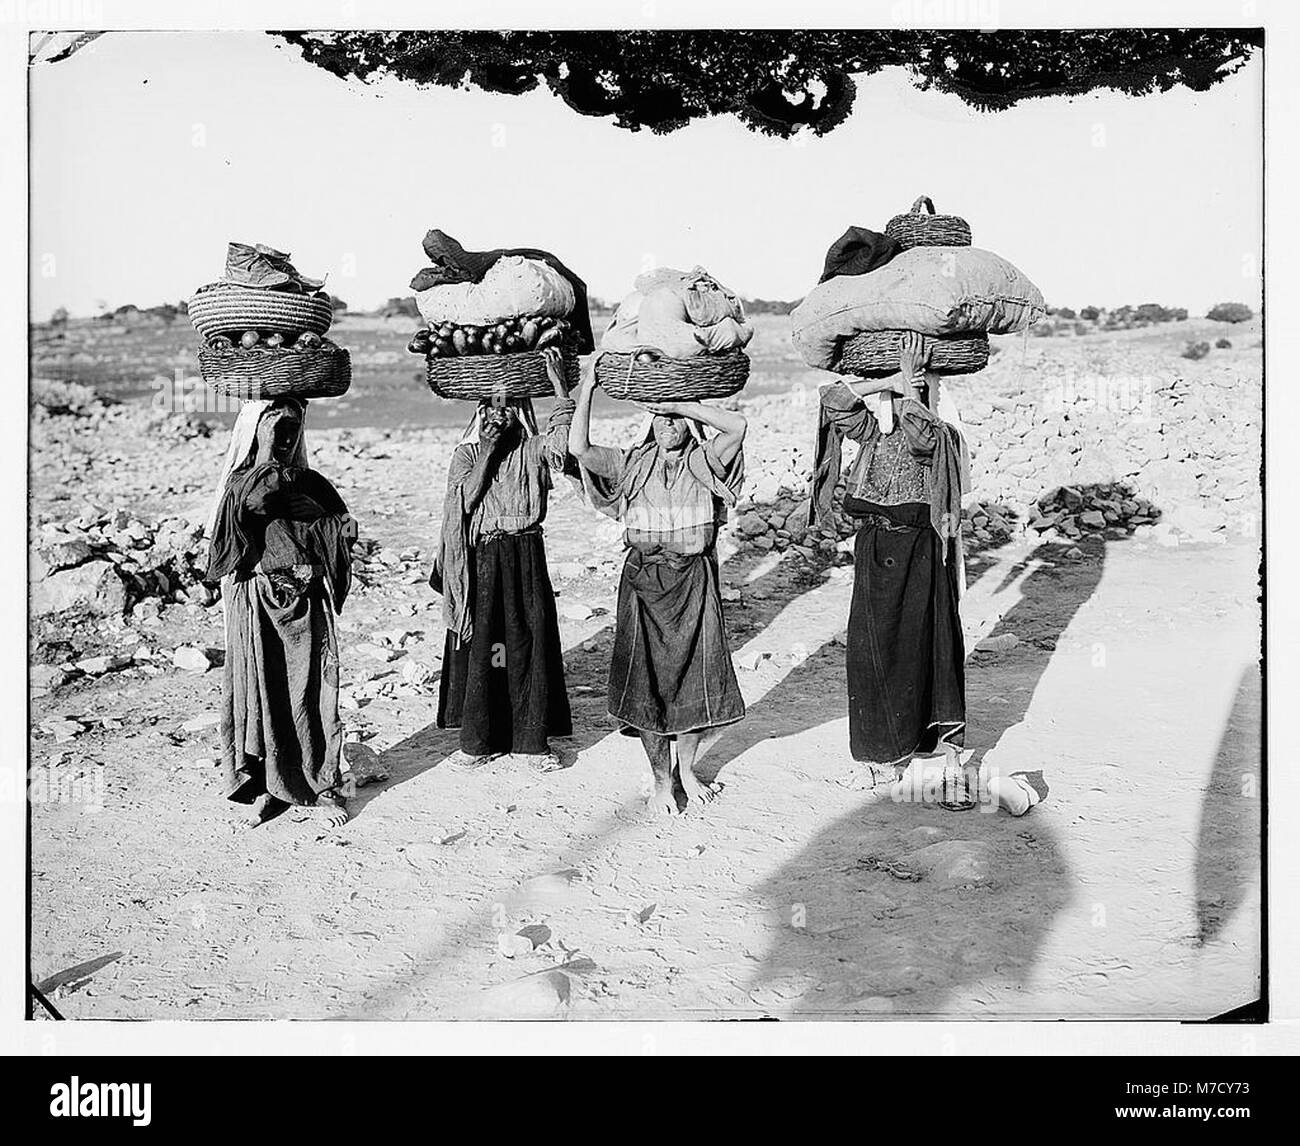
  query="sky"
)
[{"x": 151, "y": 150}]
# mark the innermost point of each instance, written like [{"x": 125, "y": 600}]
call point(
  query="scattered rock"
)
[
  {"x": 95, "y": 586},
  {"x": 512, "y": 945},
  {"x": 952, "y": 863},
  {"x": 97, "y": 666},
  {"x": 191, "y": 659},
  {"x": 543, "y": 996},
  {"x": 575, "y": 611}
]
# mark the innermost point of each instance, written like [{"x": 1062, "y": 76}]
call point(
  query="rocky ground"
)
[{"x": 1113, "y": 621}]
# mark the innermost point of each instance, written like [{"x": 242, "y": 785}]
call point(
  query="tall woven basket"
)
[
  {"x": 324, "y": 372},
  {"x": 219, "y": 308},
  {"x": 484, "y": 377},
  {"x": 918, "y": 228},
  {"x": 874, "y": 353},
  {"x": 664, "y": 379}
]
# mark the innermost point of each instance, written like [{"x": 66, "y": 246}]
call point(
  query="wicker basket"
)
[
  {"x": 874, "y": 353},
  {"x": 918, "y": 229},
  {"x": 222, "y": 307},
  {"x": 665, "y": 379},
  {"x": 324, "y": 372},
  {"x": 480, "y": 377}
]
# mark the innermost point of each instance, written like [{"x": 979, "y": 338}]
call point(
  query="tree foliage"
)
[{"x": 778, "y": 82}]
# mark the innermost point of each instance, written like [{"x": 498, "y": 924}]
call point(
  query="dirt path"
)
[{"x": 1133, "y": 890}]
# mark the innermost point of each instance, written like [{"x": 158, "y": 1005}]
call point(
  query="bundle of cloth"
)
[
  {"x": 481, "y": 288},
  {"x": 870, "y": 284},
  {"x": 679, "y": 313}
]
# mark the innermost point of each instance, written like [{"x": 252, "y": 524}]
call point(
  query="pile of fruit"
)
[
  {"x": 509, "y": 336},
  {"x": 267, "y": 340}
]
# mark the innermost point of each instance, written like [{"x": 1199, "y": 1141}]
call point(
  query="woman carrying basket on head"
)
[
  {"x": 280, "y": 548},
  {"x": 502, "y": 672},
  {"x": 905, "y": 655},
  {"x": 671, "y": 680}
]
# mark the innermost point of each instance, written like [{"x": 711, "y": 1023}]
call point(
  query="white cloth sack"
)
[
  {"x": 514, "y": 287},
  {"x": 932, "y": 290}
]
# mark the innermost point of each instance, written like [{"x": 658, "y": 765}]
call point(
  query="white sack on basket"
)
[
  {"x": 513, "y": 287},
  {"x": 932, "y": 290}
]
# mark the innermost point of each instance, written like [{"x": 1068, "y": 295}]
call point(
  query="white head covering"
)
[{"x": 243, "y": 441}]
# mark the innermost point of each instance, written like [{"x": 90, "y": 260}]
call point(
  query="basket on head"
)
[
  {"x": 479, "y": 377},
  {"x": 874, "y": 353},
  {"x": 322, "y": 372},
  {"x": 918, "y": 229},
  {"x": 647, "y": 376},
  {"x": 219, "y": 308}
]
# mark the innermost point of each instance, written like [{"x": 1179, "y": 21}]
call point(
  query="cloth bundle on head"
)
[
  {"x": 265, "y": 267},
  {"x": 452, "y": 263}
]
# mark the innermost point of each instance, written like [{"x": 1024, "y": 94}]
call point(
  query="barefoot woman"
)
[
  {"x": 280, "y": 548},
  {"x": 502, "y": 671},
  {"x": 905, "y": 652},
  {"x": 671, "y": 679}
]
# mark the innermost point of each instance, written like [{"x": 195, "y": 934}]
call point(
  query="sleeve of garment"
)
[
  {"x": 332, "y": 539},
  {"x": 264, "y": 492},
  {"x": 848, "y": 413},
  {"x": 450, "y": 573},
  {"x": 555, "y": 439},
  {"x": 321, "y": 490},
  {"x": 724, "y": 480},
  {"x": 921, "y": 428},
  {"x": 602, "y": 478},
  {"x": 462, "y": 461}
]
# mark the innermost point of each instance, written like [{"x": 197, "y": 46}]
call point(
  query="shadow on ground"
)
[{"x": 1229, "y": 841}]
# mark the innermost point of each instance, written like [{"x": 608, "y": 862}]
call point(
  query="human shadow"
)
[
  {"x": 861, "y": 932},
  {"x": 854, "y": 937},
  {"x": 1229, "y": 841}
]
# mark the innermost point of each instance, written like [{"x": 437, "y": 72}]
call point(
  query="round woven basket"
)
[
  {"x": 665, "y": 379},
  {"x": 479, "y": 377},
  {"x": 874, "y": 353},
  {"x": 919, "y": 229},
  {"x": 222, "y": 307},
  {"x": 325, "y": 372}
]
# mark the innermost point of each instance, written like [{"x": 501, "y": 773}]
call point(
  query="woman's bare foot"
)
[
  {"x": 542, "y": 762},
  {"x": 696, "y": 790},
  {"x": 330, "y": 810},
  {"x": 466, "y": 763},
  {"x": 264, "y": 808},
  {"x": 662, "y": 798},
  {"x": 691, "y": 748}
]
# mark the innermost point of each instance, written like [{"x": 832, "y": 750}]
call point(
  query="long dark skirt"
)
[
  {"x": 280, "y": 728},
  {"x": 671, "y": 670},
  {"x": 505, "y": 689},
  {"x": 905, "y": 649}
]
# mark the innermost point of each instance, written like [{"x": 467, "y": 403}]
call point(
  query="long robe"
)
[
  {"x": 283, "y": 579},
  {"x": 905, "y": 656},
  {"x": 671, "y": 669}
]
